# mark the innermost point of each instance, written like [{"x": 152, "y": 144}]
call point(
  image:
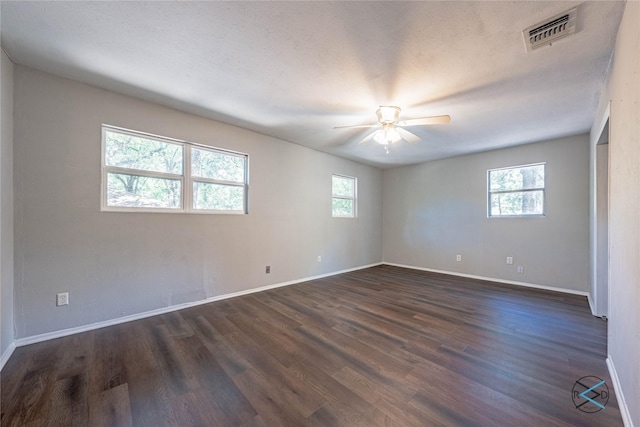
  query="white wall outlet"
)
[
  {"x": 319, "y": 258},
  {"x": 267, "y": 269},
  {"x": 62, "y": 299},
  {"x": 459, "y": 258},
  {"x": 509, "y": 260},
  {"x": 520, "y": 269}
]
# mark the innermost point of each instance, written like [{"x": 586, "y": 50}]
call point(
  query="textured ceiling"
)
[{"x": 294, "y": 70}]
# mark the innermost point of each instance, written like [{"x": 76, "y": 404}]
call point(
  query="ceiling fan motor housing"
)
[{"x": 388, "y": 115}]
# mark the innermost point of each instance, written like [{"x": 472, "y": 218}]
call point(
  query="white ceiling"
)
[{"x": 294, "y": 70}]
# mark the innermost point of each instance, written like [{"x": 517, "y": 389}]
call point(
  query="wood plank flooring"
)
[{"x": 384, "y": 346}]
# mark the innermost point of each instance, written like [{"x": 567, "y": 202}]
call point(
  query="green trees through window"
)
[
  {"x": 142, "y": 172},
  {"x": 343, "y": 202},
  {"x": 129, "y": 153},
  {"x": 517, "y": 191},
  {"x": 218, "y": 180}
]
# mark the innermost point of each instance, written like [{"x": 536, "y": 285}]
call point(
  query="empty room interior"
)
[{"x": 320, "y": 213}]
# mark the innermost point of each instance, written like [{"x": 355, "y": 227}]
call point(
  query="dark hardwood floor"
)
[{"x": 384, "y": 346}]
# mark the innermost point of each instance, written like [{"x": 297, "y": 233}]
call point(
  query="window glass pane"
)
[
  {"x": 141, "y": 191},
  {"x": 342, "y": 207},
  {"x": 134, "y": 152},
  {"x": 517, "y": 203},
  {"x": 215, "y": 165},
  {"x": 147, "y": 172},
  {"x": 343, "y": 186},
  {"x": 218, "y": 197},
  {"x": 518, "y": 178}
]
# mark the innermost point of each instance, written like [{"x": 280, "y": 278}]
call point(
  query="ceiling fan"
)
[{"x": 390, "y": 129}]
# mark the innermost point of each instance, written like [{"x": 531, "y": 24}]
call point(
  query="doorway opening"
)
[{"x": 601, "y": 276}]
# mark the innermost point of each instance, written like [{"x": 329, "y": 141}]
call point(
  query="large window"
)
[
  {"x": 517, "y": 191},
  {"x": 142, "y": 172},
  {"x": 343, "y": 202}
]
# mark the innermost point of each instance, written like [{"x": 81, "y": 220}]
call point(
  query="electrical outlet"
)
[
  {"x": 520, "y": 269},
  {"x": 459, "y": 258},
  {"x": 509, "y": 260},
  {"x": 319, "y": 258},
  {"x": 62, "y": 299},
  {"x": 267, "y": 269}
]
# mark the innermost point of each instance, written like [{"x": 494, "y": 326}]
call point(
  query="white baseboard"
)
[
  {"x": 492, "y": 279},
  {"x": 622, "y": 403},
  {"x": 7, "y": 354},
  {"x": 118, "y": 320}
]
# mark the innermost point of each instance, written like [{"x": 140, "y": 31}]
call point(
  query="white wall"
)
[
  {"x": 6, "y": 209},
  {"x": 435, "y": 210},
  {"x": 622, "y": 91},
  {"x": 117, "y": 264}
]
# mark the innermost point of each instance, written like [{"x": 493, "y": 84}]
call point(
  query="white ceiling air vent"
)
[{"x": 547, "y": 32}]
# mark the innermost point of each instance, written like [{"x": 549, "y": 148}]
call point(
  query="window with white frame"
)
[
  {"x": 343, "y": 202},
  {"x": 516, "y": 191},
  {"x": 142, "y": 172}
]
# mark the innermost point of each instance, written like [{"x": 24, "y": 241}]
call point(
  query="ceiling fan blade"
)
[
  {"x": 407, "y": 136},
  {"x": 433, "y": 120},
  {"x": 367, "y": 138},
  {"x": 356, "y": 126}
]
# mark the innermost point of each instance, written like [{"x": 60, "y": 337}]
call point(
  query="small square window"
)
[{"x": 516, "y": 191}]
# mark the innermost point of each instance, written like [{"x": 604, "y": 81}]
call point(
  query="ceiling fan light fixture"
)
[
  {"x": 388, "y": 114},
  {"x": 387, "y": 135}
]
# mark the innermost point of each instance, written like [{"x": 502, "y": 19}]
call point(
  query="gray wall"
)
[
  {"x": 435, "y": 210},
  {"x": 115, "y": 264},
  {"x": 622, "y": 90},
  {"x": 600, "y": 281},
  {"x": 6, "y": 205}
]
